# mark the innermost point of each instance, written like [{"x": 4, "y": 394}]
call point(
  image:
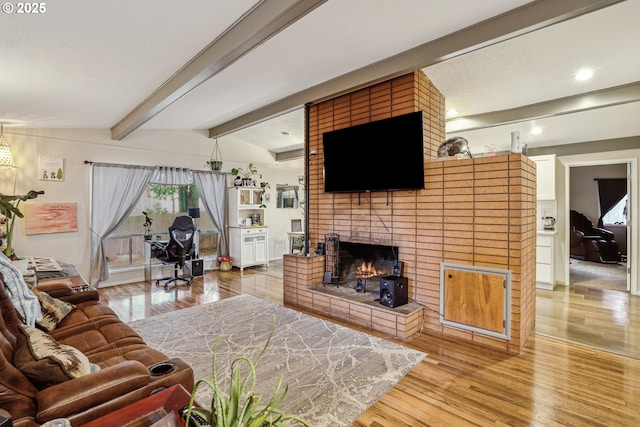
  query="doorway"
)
[
  {"x": 599, "y": 226},
  {"x": 599, "y": 318}
]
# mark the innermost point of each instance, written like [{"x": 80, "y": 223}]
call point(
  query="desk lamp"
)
[{"x": 195, "y": 214}]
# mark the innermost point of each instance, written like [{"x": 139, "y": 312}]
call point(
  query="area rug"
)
[
  {"x": 599, "y": 276},
  {"x": 334, "y": 373}
]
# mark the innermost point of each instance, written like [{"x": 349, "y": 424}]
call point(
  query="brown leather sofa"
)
[{"x": 126, "y": 363}]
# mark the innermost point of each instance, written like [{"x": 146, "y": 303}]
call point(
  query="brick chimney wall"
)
[{"x": 477, "y": 212}]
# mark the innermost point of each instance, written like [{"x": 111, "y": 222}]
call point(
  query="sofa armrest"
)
[
  {"x": 79, "y": 394},
  {"x": 56, "y": 289},
  {"x": 82, "y": 296}
]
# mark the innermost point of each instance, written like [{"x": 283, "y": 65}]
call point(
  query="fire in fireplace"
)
[{"x": 360, "y": 262}]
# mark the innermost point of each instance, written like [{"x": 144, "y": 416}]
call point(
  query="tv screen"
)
[{"x": 384, "y": 155}]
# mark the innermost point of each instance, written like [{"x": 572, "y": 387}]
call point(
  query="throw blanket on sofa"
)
[{"x": 22, "y": 298}]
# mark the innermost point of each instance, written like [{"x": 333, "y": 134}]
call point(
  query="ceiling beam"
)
[
  {"x": 519, "y": 21},
  {"x": 284, "y": 156},
  {"x": 263, "y": 21},
  {"x": 610, "y": 97}
]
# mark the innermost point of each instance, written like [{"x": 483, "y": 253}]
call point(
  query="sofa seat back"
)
[{"x": 17, "y": 393}]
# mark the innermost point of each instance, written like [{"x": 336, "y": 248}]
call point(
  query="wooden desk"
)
[
  {"x": 151, "y": 251},
  {"x": 146, "y": 411}
]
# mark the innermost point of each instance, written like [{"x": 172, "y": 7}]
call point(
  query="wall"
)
[
  {"x": 188, "y": 149},
  {"x": 584, "y": 189},
  {"x": 473, "y": 212}
]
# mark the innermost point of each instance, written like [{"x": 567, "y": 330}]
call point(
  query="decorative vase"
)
[
  {"x": 21, "y": 264},
  {"x": 237, "y": 182},
  {"x": 225, "y": 266}
]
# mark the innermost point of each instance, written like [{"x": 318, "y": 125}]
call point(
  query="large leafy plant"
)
[
  {"x": 9, "y": 209},
  {"x": 240, "y": 407},
  {"x": 247, "y": 172}
]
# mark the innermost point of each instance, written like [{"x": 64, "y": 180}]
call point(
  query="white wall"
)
[
  {"x": 584, "y": 188},
  {"x": 189, "y": 149}
]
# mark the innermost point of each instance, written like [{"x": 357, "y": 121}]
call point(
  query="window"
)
[
  {"x": 287, "y": 196},
  {"x": 162, "y": 203},
  {"x": 617, "y": 215}
]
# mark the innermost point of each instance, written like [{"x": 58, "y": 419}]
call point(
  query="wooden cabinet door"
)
[{"x": 475, "y": 299}]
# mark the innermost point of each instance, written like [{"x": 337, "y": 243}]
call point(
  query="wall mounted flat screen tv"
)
[{"x": 384, "y": 155}]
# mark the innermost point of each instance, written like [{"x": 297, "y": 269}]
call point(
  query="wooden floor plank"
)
[{"x": 552, "y": 383}]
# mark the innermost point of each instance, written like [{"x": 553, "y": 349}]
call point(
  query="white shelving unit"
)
[{"x": 248, "y": 244}]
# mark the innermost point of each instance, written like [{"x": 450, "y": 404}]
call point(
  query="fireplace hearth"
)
[{"x": 361, "y": 265}]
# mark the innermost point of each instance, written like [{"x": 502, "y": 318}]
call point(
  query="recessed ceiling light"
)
[
  {"x": 584, "y": 74},
  {"x": 536, "y": 130},
  {"x": 452, "y": 112}
]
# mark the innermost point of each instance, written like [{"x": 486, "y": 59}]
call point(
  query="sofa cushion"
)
[
  {"x": 53, "y": 310},
  {"x": 46, "y": 362},
  {"x": 87, "y": 312}
]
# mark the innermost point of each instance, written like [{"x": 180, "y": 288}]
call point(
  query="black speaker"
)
[
  {"x": 361, "y": 285},
  {"x": 394, "y": 291},
  {"x": 196, "y": 266}
]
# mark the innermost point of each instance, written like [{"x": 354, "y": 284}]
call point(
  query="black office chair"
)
[{"x": 178, "y": 249}]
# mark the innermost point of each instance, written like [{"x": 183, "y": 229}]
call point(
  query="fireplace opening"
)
[{"x": 361, "y": 265}]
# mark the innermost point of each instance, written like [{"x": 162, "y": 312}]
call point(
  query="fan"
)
[{"x": 454, "y": 146}]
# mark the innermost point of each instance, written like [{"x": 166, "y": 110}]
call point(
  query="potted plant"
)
[
  {"x": 225, "y": 263},
  {"x": 215, "y": 162},
  {"x": 245, "y": 174},
  {"x": 9, "y": 209},
  {"x": 147, "y": 225},
  {"x": 240, "y": 406},
  {"x": 264, "y": 186}
]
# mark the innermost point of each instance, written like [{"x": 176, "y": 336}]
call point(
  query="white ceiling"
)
[{"x": 87, "y": 65}]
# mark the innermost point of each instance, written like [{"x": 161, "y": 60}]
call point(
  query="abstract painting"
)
[{"x": 43, "y": 218}]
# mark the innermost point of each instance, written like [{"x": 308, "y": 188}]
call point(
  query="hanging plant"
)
[{"x": 215, "y": 160}]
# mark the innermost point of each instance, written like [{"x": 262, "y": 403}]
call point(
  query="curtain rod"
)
[{"x": 89, "y": 162}]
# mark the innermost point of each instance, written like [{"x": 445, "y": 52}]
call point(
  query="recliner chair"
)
[
  {"x": 178, "y": 249},
  {"x": 591, "y": 243}
]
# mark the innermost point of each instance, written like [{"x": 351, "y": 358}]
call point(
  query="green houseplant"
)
[
  {"x": 245, "y": 174},
  {"x": 9, "y": 209},
  {"x": 240, "y": 407}
]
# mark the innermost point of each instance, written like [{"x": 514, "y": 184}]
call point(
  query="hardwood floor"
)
[
  {"x": 603, "y": 319},
  {"x": 552, "y": 383}
]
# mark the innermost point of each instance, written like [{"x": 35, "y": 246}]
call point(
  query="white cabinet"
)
[
  {"x": 248, "y": 243},
  {"x": 243, "y": 203},
  {"x": 248, "y": 246},
  {"x": 544, "y": 260},
  {"x": 545, "y": 176}
]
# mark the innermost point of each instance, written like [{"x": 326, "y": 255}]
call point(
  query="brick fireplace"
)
[{"x": 476, "y": 212}]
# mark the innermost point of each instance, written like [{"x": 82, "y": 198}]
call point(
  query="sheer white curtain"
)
[
  {"x": 115, "y": 190},
  {"x": 213, "y": 189}
]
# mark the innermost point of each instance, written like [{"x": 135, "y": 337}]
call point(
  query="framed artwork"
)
[
  {"x": 44, "y": 218},
  {"x": 51, "y": 169}
]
